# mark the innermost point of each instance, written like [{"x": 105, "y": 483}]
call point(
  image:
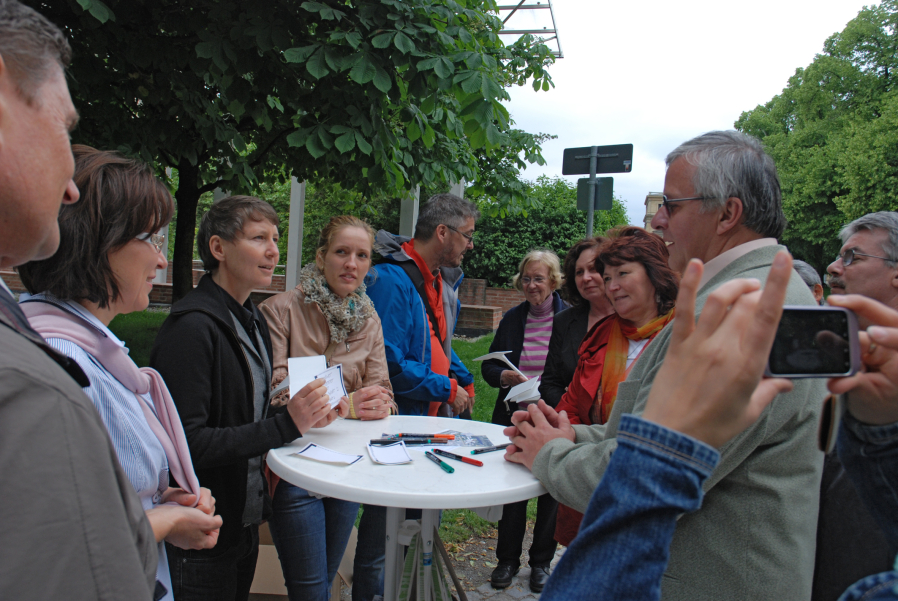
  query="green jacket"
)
[{"x": 755, "y": 535}]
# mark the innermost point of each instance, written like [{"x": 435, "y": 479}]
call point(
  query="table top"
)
[{"x": 420, "y": 484}]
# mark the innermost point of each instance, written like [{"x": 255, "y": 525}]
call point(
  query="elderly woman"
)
[
  {"x": 525, "y": 331},
  {"x": 328, "y": 314},
  {"x": 108, "y": 255},
  {"x": 585, "y": 291},
  {"x": 642, "y": 290}
]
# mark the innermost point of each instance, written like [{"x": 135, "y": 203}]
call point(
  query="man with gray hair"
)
[
  {"x": 811, "y": 278},
  {"x": 754, "y": 536},
  {"x": 72, "y": 526},
  {"x": 868, "y": 260}
]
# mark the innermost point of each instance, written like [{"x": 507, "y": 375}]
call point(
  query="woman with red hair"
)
[{"x": 643, "y": 290}]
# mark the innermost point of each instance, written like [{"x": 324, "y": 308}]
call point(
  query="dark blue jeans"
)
[
  {"x": 310, "y": 535},
  {"x": 623, "y": 546},
  {"x": 218, "y": 574}
]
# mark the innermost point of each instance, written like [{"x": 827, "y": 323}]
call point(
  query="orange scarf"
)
[{"x": 615, "y": 370}]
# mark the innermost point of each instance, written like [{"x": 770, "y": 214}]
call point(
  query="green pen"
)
[{"x": 446, "y": 467}]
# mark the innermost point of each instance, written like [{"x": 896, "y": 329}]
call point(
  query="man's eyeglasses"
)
[
  {"x": 849, "y": 255},
  {"x": 468, "y": 237},
  {"x": 537, "y": 280},
  {"x": 666, "y": 201},
  {"x": 157, "y": 241}
]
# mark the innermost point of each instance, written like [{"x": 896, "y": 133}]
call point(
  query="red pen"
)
[{"x": 457, "y": 457}]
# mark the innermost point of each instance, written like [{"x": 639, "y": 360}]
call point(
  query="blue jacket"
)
[{"x": 407, "y": 333}]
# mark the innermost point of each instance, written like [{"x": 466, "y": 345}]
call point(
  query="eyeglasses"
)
[
  {"x": 157, "y": 241},
  {"x": 849, "y": 255},
  {"x": 666, "y": 201},
  {"x": 468, "y": 237},
  {"x": 537, "y": 280}
]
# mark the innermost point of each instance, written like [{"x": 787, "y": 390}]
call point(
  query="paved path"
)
[{"x": 518, "y": 591}]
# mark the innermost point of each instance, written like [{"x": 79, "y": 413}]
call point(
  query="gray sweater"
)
[{"x": 754, "y": 536}]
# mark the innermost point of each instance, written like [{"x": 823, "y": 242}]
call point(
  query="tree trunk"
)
[{"x": 187, "y": 197}]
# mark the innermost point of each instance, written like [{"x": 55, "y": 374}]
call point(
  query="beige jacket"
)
[{"x": 299, "y": 329}]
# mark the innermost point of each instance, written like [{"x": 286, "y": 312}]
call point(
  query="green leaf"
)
[
  {"x": 204, "y": 50},
  {"x": 345, "y": 143},
  {"x": 239, "y": 143},
  {"x": 295, "y": 55},
  {"x": 353, "y": 38},
  {"x": 428, "y": 104},
  {"x": 413, "y": 131},
  {"x": 428, "y": 137},
  {"x": 444, "y": 68},
  {"x": 340, "y": 129},
  {"x": 489, "y": 88},
  {"x": 363, "y": 144},
  {"x": 312, "y": 7},
  {"x": 363, "y": 72},
  {"x": 383, "y": 40},
  {"x": 298, "y": 138},
  {"x": 404, "y": 43},
  {"x": 275, "y": 103},
  {"x": 382, "y": 80},
  {"x": 493, "y": 136},
  {"x": 327, "y": 140},
  {"x": 471, "y": 82},
  {"x": 317, "y": 65},
  {"x": 97, "y": 10},
  {"x": 314, "y": 147},
  {"x": 464, "y": 35},
  {"x": 427, "y": 63},
  {"x": 237, "y": 109}
]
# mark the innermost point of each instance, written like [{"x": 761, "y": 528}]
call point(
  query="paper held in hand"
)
[
  {"x": 500, "y": 356},
  {"x": 303, "y": 370},
  {"x": 524, "y": 393}
]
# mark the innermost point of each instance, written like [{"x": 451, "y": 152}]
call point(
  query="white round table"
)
[{"x": 420, "y": 484}]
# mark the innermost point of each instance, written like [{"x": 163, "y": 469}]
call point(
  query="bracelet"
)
[{"x": 352, "y": 414}]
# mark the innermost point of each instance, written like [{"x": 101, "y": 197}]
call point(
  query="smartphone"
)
[{"x": 815, "y": 342}]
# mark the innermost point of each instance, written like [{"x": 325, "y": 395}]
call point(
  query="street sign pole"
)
[{"x": 590, "y": 213}]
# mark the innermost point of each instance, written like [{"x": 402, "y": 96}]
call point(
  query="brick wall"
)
[
  {"x": 278, "y": 282},
  {"x": 476, "y": 292},
  {"x": 477, "y": 320},
  {"x": 12, "y": 280}
]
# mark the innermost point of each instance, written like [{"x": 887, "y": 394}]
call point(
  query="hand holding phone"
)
[{"x": 815, "y": 342}]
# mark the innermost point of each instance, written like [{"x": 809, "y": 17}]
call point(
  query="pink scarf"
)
[{"x": 52, "y": 322}]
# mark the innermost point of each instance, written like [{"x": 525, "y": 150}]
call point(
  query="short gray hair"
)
[
  {"x": 226, "y": 219},
  {"x": 730, "y": 163},
  {"x": 883, "y": 220},
  {"x": 30, "y": 46},
  {"x": 446, "y": 209},
  {"x": 546, "y": 257},
  {"x": 808, "y": 274}
]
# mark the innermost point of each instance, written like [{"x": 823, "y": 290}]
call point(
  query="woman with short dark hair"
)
[
  {"x": 108, "y": 254},
  {"x": 214, "y": 350},
  {"x": 642, "y": 289}
]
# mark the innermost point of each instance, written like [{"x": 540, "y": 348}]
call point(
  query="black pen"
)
[
  {"x": 461, "y": 458},
  {"x": 445, "y": 466},
  {"x": 498, "y": 447}
]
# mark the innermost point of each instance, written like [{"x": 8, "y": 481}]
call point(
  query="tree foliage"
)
[
  {"x": 501, "y": 242},
  {"x": 832, "y": 132},
  {"x": 376, "y": 95}
]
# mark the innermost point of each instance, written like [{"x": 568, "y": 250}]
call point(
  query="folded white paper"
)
[
  {"x": 524, "y": 392},
  {"x": 326, "y": 455},
  {"x": 389, "y": 454},
  {"x": 303, "y": 370},
  {"x": 500, "y": 356},
  {"x": 333, "y": 380}
]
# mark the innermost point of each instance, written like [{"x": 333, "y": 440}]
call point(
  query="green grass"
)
[{"x": 138, "y": 330}]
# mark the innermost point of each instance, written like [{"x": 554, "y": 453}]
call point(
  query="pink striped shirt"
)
[{"x": 537, "y": 332}]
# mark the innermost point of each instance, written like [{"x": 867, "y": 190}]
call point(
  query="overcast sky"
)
[{"x": 656, "y": 73}]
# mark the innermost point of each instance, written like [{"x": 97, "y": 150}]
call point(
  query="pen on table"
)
[
  {"x": 457, "y": 457},
  {"x": 409, "y": 441},
  {"x": 498, "y": 447},
  {"x": 445, "y": 466},
  {"x": 407, "y": 435}
]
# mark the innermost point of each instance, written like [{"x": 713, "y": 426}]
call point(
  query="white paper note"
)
[
  {"x": 523, "y": 392},
  {"x": 303, "y": 370},
  {"x": 500, "y": 355},
  {"x": 389, "y": 454},
  {"x": 326, "y": 455},
  {"x": 333, "y": 380}
]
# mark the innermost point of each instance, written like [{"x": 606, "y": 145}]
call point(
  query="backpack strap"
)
[{"x": 414, "y": 274}]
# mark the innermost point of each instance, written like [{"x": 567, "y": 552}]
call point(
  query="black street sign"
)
[
  {"x": 604, "y": 191},
  {"x": 617, "y": 158}
]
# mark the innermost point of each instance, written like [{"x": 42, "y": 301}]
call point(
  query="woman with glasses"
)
[
  {"x": 108, "y": 255},
  {"x": 328, "y": 314},
  {"x": 525, "y": 330},
  {"x": 642, "y": 290}
]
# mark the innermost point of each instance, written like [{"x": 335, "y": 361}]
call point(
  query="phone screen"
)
[{"x": 812, "y": 342}]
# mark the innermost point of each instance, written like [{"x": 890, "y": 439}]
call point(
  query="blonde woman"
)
[
  {"x": 328, "y": 314},
  {"x": 525, "y": 331}
]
